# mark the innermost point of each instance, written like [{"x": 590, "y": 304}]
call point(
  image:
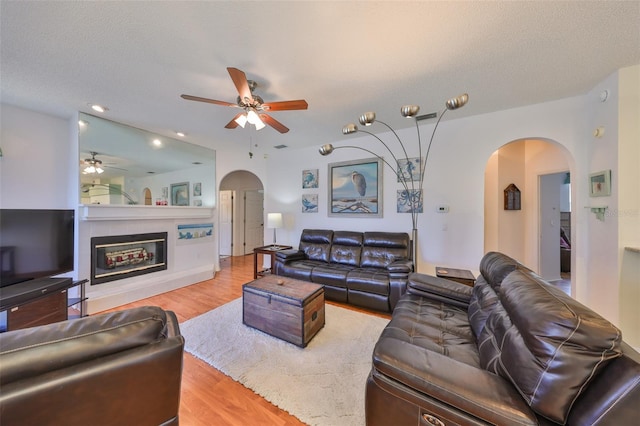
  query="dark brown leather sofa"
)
[
  {"x": 513, "y": 350},
  {"x": 120, "y": 368},
  {"x": 367, "y": 269}
]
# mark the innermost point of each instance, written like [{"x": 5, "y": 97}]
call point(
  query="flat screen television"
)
[{"x": 35, "y": 244}]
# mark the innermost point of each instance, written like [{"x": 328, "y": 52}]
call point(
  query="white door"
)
[
  {"x": 253, "y": 220},
  {"x": 550, "y": 189},
  {"x": 226, "y": 222}
]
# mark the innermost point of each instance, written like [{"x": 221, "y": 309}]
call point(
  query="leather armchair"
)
[{"x": 120, "y": 368}]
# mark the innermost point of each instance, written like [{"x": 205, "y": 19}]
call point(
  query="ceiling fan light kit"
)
[
  {"x": 93, "y": 165},
  {"x": 253, "y": 105}
]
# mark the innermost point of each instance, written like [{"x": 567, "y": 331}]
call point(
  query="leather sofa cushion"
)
[
  {"x": 494, "y": 267},
  {"x": 370, "y": 280},
  {"x": 333, "y": 275},
  {"x": 60, "y": 345},
  {"x": 435, "y": 326},
  {"x": 483, "y": 301},
  {"x": 315, "y": 243},
  {"x": 298, "y": 269},
  {"x": 382, "y": 248},
  {"x": 546, "y": 343},
  {"x": 346, "y": 248}
]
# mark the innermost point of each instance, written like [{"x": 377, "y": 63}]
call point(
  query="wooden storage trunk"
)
[{"x": 293, "y": 311}]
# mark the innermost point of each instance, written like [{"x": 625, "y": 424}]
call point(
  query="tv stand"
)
[{"x": 41, "y": 301}]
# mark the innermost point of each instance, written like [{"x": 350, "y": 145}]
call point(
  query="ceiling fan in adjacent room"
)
[{"x": 255, "y": 109}]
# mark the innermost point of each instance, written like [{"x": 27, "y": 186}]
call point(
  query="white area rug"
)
[{"x": 322, "y": 384}]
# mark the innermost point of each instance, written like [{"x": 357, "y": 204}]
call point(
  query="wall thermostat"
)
[{"x": 442, "y": 209}]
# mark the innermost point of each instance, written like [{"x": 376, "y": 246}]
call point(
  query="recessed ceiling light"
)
[
  {"x": 157, "y": 142},
  {"x": 181, "y": 134},
  {"x": 98, "y": 108},
  {"x": 83, "y": 123}
]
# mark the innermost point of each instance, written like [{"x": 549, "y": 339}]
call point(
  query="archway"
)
[
  {"x": 241, "y": 201},
  {"x": 539, "y": 168}
]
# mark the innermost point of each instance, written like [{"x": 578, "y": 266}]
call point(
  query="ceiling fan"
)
[
  {"x": 93, "y": 165},
  {"x": 255, "y": 109}
]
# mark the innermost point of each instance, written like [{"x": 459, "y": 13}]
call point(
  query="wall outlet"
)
[{"x": 442, "y": 209}]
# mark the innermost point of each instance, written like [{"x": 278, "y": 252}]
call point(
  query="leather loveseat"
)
[
  {"x": 367, "y": 269},
  {"x": 513, "y": 350},
  {"x": 120, "y": 368}
]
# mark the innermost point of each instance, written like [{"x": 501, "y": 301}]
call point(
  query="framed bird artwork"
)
[{"x": 355, "y": 188}]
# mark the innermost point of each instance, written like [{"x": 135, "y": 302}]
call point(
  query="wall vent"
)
[
  {"x": 427, "y": 116},
  {"x": 280, "y": 146}
]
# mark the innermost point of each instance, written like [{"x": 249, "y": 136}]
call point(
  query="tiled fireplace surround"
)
[{"x": 187, "y": 263}]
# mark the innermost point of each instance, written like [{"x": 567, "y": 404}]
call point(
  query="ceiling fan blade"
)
[
  {"x": 267, "y": 119},
  {"x": 209, "y": 101},
  {"x": 240, "y": 80},
  {"x": 285, "y": 105},
  {"x": 233, "y": 123}
]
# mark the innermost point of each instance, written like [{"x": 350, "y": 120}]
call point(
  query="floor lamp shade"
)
[{"x": 274, "y": 220}]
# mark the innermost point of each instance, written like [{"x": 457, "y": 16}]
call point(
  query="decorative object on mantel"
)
[
  {"x": 180, "y": 194},
  {"x": 197, "y": 189},
  {"x": 511, "y": 197},
  {"x": 274, "y": 220},
  {"x": 598, "y": 211},
  {"x": 408, "y": 111},
  {"x": 600, "y": 184}
]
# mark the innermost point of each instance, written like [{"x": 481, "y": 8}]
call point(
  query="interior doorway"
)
[
  {"x": 241, "y": 213},
  {"x": 532, "y": 234}
]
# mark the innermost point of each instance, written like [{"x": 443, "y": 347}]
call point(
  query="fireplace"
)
[{"x": 123, "y": 256}]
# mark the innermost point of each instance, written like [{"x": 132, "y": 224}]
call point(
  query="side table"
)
[
  {"x": 463, "y": 276},
  {"x": 270, "y": 250}
]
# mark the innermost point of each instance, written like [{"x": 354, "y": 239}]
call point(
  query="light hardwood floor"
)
[{"x": 209, "y": 397}]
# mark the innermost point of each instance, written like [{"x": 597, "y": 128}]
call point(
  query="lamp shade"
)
[{"x": 274, "y": 220}]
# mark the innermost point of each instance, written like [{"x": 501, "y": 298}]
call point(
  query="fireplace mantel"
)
[{"x": 133, "y": 212}]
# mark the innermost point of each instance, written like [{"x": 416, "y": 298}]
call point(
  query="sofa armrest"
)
[
  {"x": 440, "y": 289},
  {"x": 288, "y": 255},
  {"x": 400, "y": 266},
  {"x": 467, "y": 388}
]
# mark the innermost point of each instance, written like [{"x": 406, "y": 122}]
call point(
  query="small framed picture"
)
[
  {"x": 197, "y": 189},
  {"x": 309, "y": 203},
  {"x": 408, "y": 201},
  {"x": 600, "y": 184},
  {"x": 409, "y": 169},
  {"x": 180, "y": 194},
  {"x": 310, "y": 178}
]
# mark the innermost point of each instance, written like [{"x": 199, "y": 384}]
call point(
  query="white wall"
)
[{"x": 38, "y": 163}]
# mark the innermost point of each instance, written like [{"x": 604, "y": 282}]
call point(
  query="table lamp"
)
[{"x": 274, "y": 220}]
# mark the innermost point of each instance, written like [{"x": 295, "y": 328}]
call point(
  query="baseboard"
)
[{"x": 109, "y": 298}]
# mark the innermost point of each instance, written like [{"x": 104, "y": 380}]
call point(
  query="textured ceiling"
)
[{"x": 344, "y": 58}]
